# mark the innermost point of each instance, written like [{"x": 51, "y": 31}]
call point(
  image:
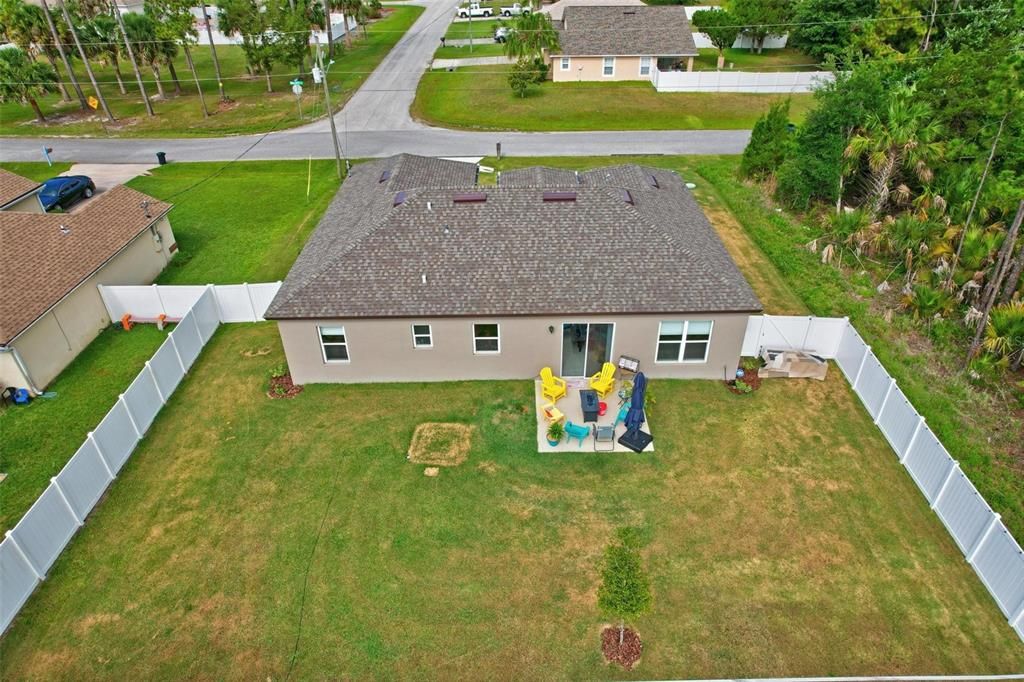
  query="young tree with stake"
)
[{"x": 720, "y": 26}]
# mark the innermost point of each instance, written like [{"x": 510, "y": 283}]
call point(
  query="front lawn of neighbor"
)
[
  {"x": 483, "y": 28},
  {"x": 481, "y": 49},
  {"x": 248, "y": 538},
  {"x": 35, "y": 170},
  {"x": 480, "y": 98},
  {"x": 252, "y": 110}
]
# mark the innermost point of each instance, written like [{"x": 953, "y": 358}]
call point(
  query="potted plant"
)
[{"x": 555, "y": 433}]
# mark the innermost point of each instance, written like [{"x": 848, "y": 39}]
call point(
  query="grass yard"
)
[
  {"x": 483, "y": 49},
  {"x": 479, "y": 98},
  {"x": 253, "y": 109},
  {"x": 38, "y": 440},
  {"x": 245, "y": 224},
  {"x": 784, "y": 59},
  {"x": 483, "y": 28},
  {"x": 35, "y": 170},
  {"x": 781, "y": 538}
]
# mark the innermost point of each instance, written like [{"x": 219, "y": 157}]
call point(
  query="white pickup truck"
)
[
  {"x": 515, "y": 10},
  {"x": 475, "y": 10}
]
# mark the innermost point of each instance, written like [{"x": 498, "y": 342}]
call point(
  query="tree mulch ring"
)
[
  {"x": 442, "y": 444},
  {"x": 625, "y": 654},
  {"x": 282, "y": 387},
  {"x": 750, "y": 378}
]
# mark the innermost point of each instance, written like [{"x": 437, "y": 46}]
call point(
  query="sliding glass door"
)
[{"x": 585, "y": 347}]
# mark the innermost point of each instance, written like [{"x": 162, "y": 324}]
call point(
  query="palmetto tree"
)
[
  {"x": 25, "y": 25},
  {"x": 1004, "y": 334},
  {"x": 104, "y": 40},
  {"x": 905, "y": 138},
  {"x": 531, "y": 34}
]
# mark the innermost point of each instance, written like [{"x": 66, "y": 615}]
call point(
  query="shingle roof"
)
[
  {"x": 513, "y": 254},
  {"x": 656, "y": 31},
  {"x": 13, "y": 186},
  {"x": 538, "y": 176},
  {"x": 42, "y": 263}
]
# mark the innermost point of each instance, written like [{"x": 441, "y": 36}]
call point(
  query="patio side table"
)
[
  {"x": 589, "y": 405},
  {"x": 604, "y": 434}
]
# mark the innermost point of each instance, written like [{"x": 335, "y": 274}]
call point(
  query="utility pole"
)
[
  {"x": 85, "y": 61},
  {"x": 213, "y": 52},
  {"x": 320, "y": 74},
  {"x": 131, "y": 58},
  {"x": 64, "y": 56}
]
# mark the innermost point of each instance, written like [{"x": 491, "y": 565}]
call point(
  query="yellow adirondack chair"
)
[
  {"x": 604, "y": 381},
  {"x": 552, "y": 413},
  {"x": 551, "y": 387}
]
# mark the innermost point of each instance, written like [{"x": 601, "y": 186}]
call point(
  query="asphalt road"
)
[{"x": 376, "y": 122}]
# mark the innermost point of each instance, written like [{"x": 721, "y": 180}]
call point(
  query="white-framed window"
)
[
  {"x": 608, "y": 68},
  {"x": 645, "y": 66},
  {"x": 486, "y": 338},
  {"x": 333, "y": 344},
  {"x": 686, "y": 341},
  {"x": 565, "y": 64},
  {"x": 422, "y": 337}
]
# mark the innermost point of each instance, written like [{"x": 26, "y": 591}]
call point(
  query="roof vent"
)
[
  {"x": 446, "y": 230},
  {"x": 423, "y": 278},
  {"x": 629, "y": 12},
  {"x": 559, "y": 196},
  {"x": 653, "y": 180},
  {"x": 469, "y": 198},
  {"x": 627, "y": 197},
  {"x": 385, "y": 176},
  {"x": 430, "y": 206},
  {"x": 579, "y": 180},
  {"x": 65, "y": 230},
  {"x": 145, "y": 208},
  {"x": 399, "y": 199}
]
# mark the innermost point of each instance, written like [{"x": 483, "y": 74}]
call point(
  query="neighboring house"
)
[
  {"x": 50, "y": 306},
  {"x": 416, "y": 273},
  {"x": 19, "y": 194},
  {"x": 620, "y": 43}
]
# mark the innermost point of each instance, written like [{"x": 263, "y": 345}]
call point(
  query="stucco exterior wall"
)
[
  {"x": 626, "y": 69},
  {"x": 56, "y": 338},
  {"x": 10, "y": 374},
  {"x": 382, "y": 349},
  {"x": 26, "y": 204}
]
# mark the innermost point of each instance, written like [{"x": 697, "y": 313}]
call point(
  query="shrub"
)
[
  {"x": 625, "y": 590},
  {"x": 770, "y": 143}
]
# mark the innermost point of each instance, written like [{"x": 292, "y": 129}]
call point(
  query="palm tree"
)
[
  {"x": 905, "y": 138},
  {"x": 25, "y": 26},
  {"x": 85, "y": 60},
  {"x": 1004, "y": 335},
  {"x": 22, "y": 79},
  {"x": 141, "y": 33},
  {"x": 105, "y": 39},
  {"x": 131, "y": 57},
  {"x": 59, "y": 44},
  {"x": 531, "y": 34},
  {"x": 175, "y": 24},
  {"x": 213, "y": 52}
]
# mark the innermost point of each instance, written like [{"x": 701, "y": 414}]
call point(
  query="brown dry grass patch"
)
[{"x": 443, "y": 444}]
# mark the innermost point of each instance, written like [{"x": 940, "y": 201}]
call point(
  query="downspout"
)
[{"x": 21, "y": 366}]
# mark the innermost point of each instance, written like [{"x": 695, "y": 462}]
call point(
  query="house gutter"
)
[{"x": 21, "y": 366}]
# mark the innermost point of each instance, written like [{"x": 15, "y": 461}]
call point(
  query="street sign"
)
[
  {"x": 296, "y": 87},
  {"x": 93, "y": 102}
]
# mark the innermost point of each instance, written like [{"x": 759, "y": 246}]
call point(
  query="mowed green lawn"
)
[
  {"x": 485, "y": 48},
  {"x": 483, "y": 28},
  {"x": 479, "y": 98},
  {"x": 250, "y": 537},
  {"x": 245, "y": 224},
  {"x": 252, "y": 109},
  {"x": 784, "y": 59}
]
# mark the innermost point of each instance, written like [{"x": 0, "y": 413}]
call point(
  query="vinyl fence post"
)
[
  {"x": 131, "y": 417},
  {"x": 177, "y": 354},
  {"x": 159, "y": 299},
  {"x": 953, "y": 468},
  {"x": 885, "y": 400},
  {"x": 24, "y": 557},
  {"x": 216, "y": 304},
  {"x": 199, "y": 333},
  {"x": 99, "y": 451},
  {"x": 913, "y": 439},
  {"x": 807, "y": 332},
  {"x": 1018, "y": 619},
  {"x": 860, "y": 367},
  {"x": 984, "y": 537},
  {"x": 252, "y": 305},
  {"x": 67, "y": 502},
  {"x": 156, "y": 384}
]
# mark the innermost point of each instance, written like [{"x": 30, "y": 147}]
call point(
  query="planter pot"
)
[{"x": 554, "y": 443}]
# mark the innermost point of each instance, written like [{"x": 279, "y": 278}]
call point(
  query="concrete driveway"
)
[{"x": 107, "y": 175}]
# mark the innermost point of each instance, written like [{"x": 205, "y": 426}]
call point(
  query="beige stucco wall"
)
[
  {"x": 382, "y": 349},
  {"x": 56, "y": 338},
  {"x": 26, "y": 204},
  {"x": 626, "y": 69}
]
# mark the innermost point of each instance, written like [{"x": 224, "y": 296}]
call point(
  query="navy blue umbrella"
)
[{"x": 635, "y": 417}]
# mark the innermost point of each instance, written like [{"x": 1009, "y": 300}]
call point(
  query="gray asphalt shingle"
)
[{"x": 655, "y": 31}]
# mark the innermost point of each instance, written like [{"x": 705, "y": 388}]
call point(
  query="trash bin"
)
[{"x": 161, "y": 158}]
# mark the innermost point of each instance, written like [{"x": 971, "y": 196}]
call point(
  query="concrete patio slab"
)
[{"x": 573, "y": 411}]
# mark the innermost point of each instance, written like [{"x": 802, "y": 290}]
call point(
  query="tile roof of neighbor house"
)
[
  {"x": 13, "y": 186},
  {"x": 380, "y": 251},
  {"x": 42, "y": 262},
  {"x": 656, "y": 31}
]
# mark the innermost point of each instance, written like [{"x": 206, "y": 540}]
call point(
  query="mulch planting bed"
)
[
  {"x": 282, "y": 387},
  {"x": 750, "y": 379},
  {"x": 625, "y": 654}
]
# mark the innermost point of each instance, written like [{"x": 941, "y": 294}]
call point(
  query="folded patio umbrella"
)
[{"x": 635, "y": 417}]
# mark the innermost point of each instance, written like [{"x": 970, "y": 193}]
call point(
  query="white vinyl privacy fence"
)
[
  {"x": 739, "y": 81},
  {"x": 977, "y": 530},
  {"x": 30, "y": 548}
]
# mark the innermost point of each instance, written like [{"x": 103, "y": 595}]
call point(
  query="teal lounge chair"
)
[{"x": 575, "y": 431}]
